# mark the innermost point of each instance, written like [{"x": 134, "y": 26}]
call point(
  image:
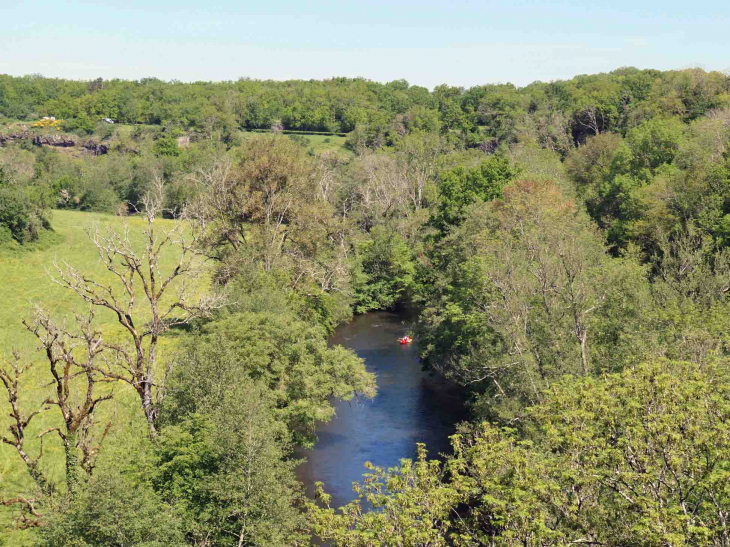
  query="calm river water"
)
[{"x": 411, "y": 406}]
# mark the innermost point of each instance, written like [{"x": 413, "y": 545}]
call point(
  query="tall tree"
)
[
  {"x": 139, "y": 270},
  {"x": 526, "y": 283},
  {"x": 72, "y": 359}
]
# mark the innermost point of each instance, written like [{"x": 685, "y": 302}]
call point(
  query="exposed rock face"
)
[
  {"x": 65, "y": 141},
  {"x": 95, "y": 148},
  {"x": 39, "y": 140},
  {"x": 54, "y": 140},
  {"x": 4, "y": 138}
]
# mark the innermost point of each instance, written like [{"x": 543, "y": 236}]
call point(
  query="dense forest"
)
[{"x": 567, "y": 246}]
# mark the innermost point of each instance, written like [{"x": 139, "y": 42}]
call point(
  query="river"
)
[{"x": 411, "y": 406}]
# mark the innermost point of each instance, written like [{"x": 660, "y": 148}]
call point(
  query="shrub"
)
[
  {"x": 48, "y": 123},
  {"x": 14, "y": 212},
  {"x": 6, "y": 236},
  {"x": 166, "y": 146},
  {"x": 99, "y": 198}
]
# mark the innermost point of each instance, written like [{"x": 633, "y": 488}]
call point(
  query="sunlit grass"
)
[
  {"x": 318, "y": 143},
  {"x": 25, "y": 282},
  {"x": 329, "y": 143}
]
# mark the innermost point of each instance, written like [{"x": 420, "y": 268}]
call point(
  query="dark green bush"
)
[
  {"x": 166, "y": 146},
  {"x": 15, "y": 213},
  {"x": 99, "y": 198}
]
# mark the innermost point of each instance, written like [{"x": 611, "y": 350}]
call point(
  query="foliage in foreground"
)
[
  {"x": 287, "y": 355},
  {"x": 113, "y": 509},
  {"x": 635, "y": 458}
]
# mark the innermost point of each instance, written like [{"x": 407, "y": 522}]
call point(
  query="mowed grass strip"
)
[{"x": 24, "y": 281}]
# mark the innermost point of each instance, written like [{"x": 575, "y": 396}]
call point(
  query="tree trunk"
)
[
  {"x": 72, "y": 464},
  {"x": 149, "y": 408}
]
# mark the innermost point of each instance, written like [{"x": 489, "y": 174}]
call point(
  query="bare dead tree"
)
[
  {"x": 386, "y": 191},
  {"x": 591, "y": 119},
  {"x": 25, "y": 507},
  {"x": 27, "y": 513},
  {"x": 395, "y": 185},
  {"x": 70, "y": 358},
  {"x": 10, "y": 376},
  {"x": 217, "y": 188},
  {"x": 325, "y": 176},
  {"x": 141, "y": 280},
  {"x": 554, "y": 133},
  {"x": 418, "y": 158}
]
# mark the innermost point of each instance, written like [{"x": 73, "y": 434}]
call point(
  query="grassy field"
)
[
  {"x": 24, "y": 282},
  {"x": 318, "y": 143},
  {"x": 333, "y": 143}
]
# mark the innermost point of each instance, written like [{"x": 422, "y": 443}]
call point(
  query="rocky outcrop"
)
[
  {"x": 95, "y": 148},
  {"x": 54, "y": 140},
  {"x": 38, "y": 140},
  {"x": 5, "y": 138},
  {"x": 64, "y": 141}
]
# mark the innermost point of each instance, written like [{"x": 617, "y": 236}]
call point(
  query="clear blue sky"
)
[{"x": 426, "y": 42}]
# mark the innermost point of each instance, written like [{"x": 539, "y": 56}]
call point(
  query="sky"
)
[{"x": 460, "y": 42}]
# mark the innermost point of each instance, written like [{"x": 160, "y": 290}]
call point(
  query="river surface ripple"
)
[{"x": 411, "y": 406}]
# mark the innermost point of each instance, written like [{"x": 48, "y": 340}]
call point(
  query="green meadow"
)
[
  {"x": 24, "y": 272},
  {"x": 317, "y": 143}
]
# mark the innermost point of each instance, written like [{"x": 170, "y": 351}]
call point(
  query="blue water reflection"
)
[{"x": 412, "y": 406}]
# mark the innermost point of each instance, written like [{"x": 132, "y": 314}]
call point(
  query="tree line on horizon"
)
[{"x": 486, "y": 115}]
